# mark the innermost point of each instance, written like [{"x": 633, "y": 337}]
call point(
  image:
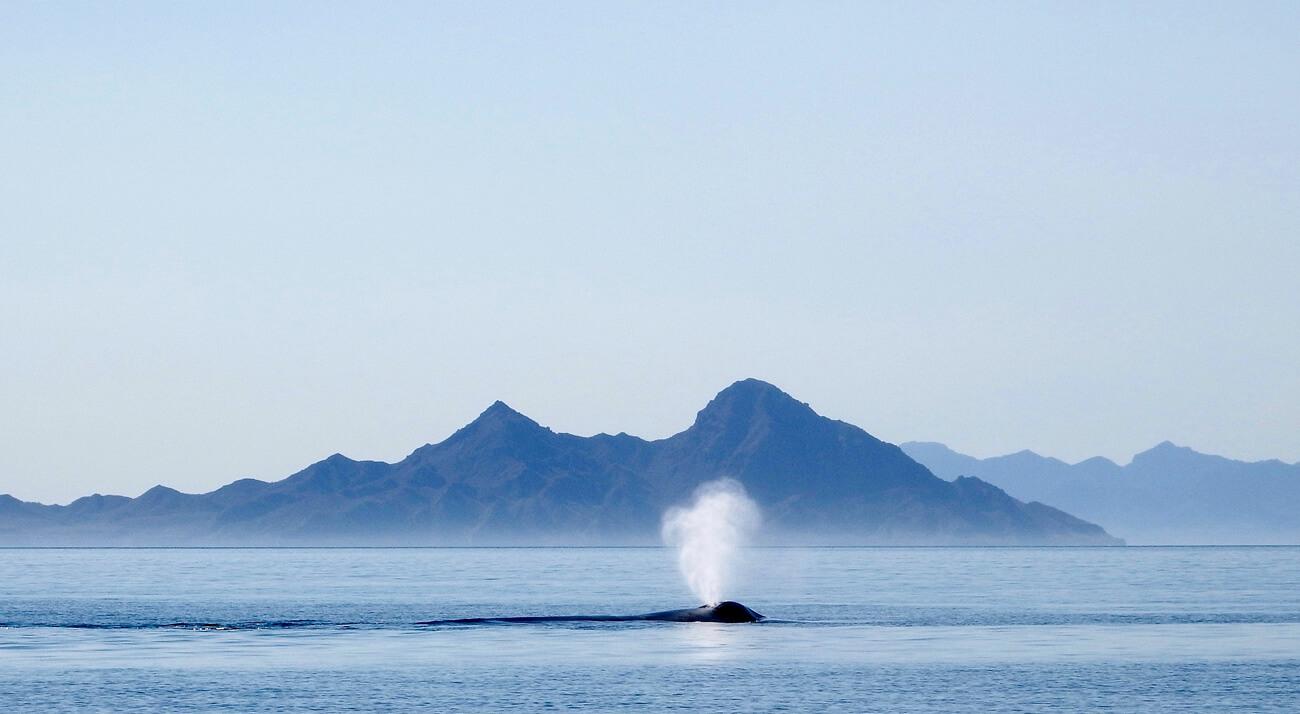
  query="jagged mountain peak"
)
[
  {"x": 159, "y": 491},
  {"x": 1166, "y": 451},
  {"x": 497, "y": 425},
  {"x": 749, "y": 400},
  {"x": 500, "y": 414}
]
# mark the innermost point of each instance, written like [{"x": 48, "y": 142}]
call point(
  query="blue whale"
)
[{"x": 728, "y": 611}]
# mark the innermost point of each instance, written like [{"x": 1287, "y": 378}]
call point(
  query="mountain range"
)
[
  {"x": 504, "y": 478},
  {"x": 1166, "y": 495}
]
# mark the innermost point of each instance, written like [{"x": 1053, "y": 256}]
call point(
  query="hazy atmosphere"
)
[{"x": 237, "y": 238}]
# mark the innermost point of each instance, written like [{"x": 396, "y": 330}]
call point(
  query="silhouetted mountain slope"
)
[
  {"x": 505, "y": 478},
  {"x": 1167, "y": 494}
]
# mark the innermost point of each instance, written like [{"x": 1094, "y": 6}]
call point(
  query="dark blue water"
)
[{"x": 851, "y": 629}]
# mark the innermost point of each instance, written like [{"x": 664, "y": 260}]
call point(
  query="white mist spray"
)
[{"x": 707, "y": 534}]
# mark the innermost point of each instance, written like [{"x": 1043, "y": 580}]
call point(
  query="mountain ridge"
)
[
  {"x": 505, "y": 478},
  {"x": 1167, "y": 494}
]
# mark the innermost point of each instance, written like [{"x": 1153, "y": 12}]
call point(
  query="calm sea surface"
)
[{"x": 851, "y": 629}]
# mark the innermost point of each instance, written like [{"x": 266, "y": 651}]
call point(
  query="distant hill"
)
[
  {"x": 506, "y": 479},
  {"x": 1167, "y": 494}
]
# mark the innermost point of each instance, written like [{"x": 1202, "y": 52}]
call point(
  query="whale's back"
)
[{"x": 729, "y": 611}]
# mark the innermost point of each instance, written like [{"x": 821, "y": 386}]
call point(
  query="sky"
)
[{"x": 238, "y": 237}]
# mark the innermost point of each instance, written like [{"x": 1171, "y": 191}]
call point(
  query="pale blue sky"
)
[{"x": 238, "y": 237}]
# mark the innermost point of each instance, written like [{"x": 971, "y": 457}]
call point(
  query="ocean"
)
[{"x": 1128, "y": 629}]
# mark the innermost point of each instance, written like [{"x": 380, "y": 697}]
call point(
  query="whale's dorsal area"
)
[{"x": 729, "y": 612}]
